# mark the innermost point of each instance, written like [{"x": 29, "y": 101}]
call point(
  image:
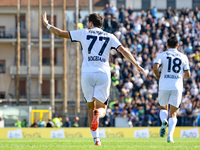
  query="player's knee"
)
[
  {"x": 102, "y": 112},
  {"x": 163, "y": 107},
  {"x": 90, "y": 106},
  {"x": 173, "y": 115}
]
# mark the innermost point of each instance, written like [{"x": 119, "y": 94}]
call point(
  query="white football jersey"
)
[
  {"x": 173, "y": 64},
  {"x": 96, "y": 46}
]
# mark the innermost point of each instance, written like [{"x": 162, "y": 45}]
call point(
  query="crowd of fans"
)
[
  {"x": 145, "y": 35},
  {"x": 55, "y": 122}
]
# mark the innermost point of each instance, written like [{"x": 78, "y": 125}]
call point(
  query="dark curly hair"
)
[
  {"x": 172, "y": 42},
  {"x": 96, "y": 19}
]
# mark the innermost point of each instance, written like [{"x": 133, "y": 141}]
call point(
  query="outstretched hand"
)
[
  {"x": 45, "y": 21},
  {"x": 141, "y": 70}
]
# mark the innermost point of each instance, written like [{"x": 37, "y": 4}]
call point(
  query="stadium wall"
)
[
  {"x": 136, "y": 4},
  {"x": 140, "y": 132},
  {"x": 184, "y": 3},
  {"x": 160, "y": 4}
]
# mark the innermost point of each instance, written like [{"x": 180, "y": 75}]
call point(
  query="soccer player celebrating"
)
[
  {"x": 95, "y": 77},
  {"x": 174, "y": 68}
]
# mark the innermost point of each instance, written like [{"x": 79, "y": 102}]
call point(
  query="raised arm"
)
[
  {"x": 58, "y": 32},
  {"x": 129, "y": 56}
]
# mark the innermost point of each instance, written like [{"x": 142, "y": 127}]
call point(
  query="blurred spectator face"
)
[
  {"x": 76, "y": 118},
  {"x": 67, "y": 119}
]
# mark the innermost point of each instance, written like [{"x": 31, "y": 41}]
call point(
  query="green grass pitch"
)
[{"x": 107, "y": 143}]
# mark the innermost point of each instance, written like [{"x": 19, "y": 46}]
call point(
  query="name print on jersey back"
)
[
  {"x": 96, "y": 46},
  {"x": 173, "y": 64},
  {"x": 93, "y": 39}
]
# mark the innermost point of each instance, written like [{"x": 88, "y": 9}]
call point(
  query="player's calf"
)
[
  {"x": 163, "y": 128},
  {"x": 95, "y": 121}
]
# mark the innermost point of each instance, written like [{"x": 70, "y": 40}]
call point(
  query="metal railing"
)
[
  {"x": 10, "y": 33},
  {"x": 57, "y": 96},
  {"x": 34, "y": 70},
  {"x": 7, "y": 33}
]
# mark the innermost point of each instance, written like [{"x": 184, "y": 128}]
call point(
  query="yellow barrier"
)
[
  {"x": 40, "y": 115},
  {"x": 140, "y": 132}
]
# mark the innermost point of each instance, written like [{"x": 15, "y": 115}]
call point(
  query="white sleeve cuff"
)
[{"x": 49, "y": 26}]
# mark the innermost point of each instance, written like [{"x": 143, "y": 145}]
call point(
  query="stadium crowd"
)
[
  {"x": 55, "y": 122},
  {"x": 145, "y": 35}
]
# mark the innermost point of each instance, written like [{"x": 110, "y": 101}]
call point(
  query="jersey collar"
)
[
  {"x": 96, "y": 28},
  {"x": 171, "y": 49}
]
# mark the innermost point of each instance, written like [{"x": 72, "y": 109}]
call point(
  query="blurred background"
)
[{"x": 40, "y": 72}]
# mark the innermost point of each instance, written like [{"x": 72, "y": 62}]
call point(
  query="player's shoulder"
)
[
  {"x": 182, "y": 56},
  {"x": 112, "y": 35},
  {"x": 79, "y": 31},
  {"x": 161, "y": 54},
  {"x": 84, "y": 30}
]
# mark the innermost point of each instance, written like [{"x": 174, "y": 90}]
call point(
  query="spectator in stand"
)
[
  {"x": 130, "y": 10},
  {"x": 56, "y": 122},
  {"x": 61, "y": 123},
  {"x": 168, "y": 13},
  {"x": 115, "y": 80},
  {"x": 113, "y": 10},
  {"x": 67, "y": 122},
  {"x": 154, "y": 12},
  {"x": 196, "y": 12},
  {"x": 122, "y": 14},
  {"x": 114, "y": 24},
  {"x": 76, "y": 119},
  {"x": 18, "y": 123},
  {"x": 49, "y": 123},
  {"x": 129, "y": 84},
  {"x": 116, "y": 113},
  {"x": 124, "y": 114},
  {"x": 189, "y": 49},
  {"x": 35, "y": 125},
  {"x": 107, "y": 25},
  {"x": 107, "y": 9},
  {"x": 24, "y": 123},
  {"x": 42, "y": 123}
]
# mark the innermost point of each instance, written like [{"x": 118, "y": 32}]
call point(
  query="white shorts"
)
[
  {"x": 172, "y": 97},
  {"x": 97, "y": 85}
]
